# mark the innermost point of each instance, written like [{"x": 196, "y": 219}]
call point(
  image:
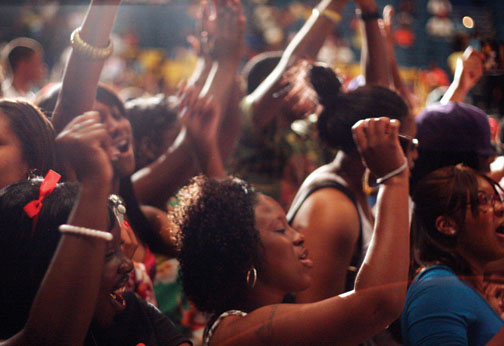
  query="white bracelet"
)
[
  {"x": 393, "y": 173},
  {"x": 86, "y": 232}
]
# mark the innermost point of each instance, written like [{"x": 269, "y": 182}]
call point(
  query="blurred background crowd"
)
[{"x": 153, "y": 53}]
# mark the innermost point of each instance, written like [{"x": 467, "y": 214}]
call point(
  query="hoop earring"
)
[{"x": 251, "y": 277}]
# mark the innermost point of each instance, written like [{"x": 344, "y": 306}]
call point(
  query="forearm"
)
[
  {"x": 305, "y": 44},
  {"x": 200, "y": 73},
  {"x": 220, "y": 80},
  {"x": 231, "y": 123},
  {"x": 156, "y": 183},
  {"x": 455, "y": 93},
  {"x": 399, "y": 84},
  {"x": 64, "y": 305},
  {"x": 211, "y": 162},
  {"x": 78, "y": 90},
  {"x": 389, "y": 244},
  {"x": 374, "y": 52},
  {"x": 312, "y": 35}
]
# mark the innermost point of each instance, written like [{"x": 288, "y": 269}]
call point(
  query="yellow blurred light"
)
[{"x": 468, "y": 22}]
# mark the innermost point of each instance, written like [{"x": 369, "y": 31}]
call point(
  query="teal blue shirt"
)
[{"x": 441, "y": 309}]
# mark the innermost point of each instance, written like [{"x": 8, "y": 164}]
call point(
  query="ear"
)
[
  {"x": 446, "y": 225},
  {"x": 147, "y": 149}
]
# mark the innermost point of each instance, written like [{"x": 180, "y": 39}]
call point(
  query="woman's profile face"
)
[
  {"x": 115, "y": 275},
  {"x": 13, "y": 166},
  {"x": 285, "y": 266},
  {"x": 482, "y": 239}
]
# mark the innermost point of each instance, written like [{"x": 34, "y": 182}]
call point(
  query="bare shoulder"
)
[
  {"x": 327, "y": 210},
  {"x": 259, "y": 327}
]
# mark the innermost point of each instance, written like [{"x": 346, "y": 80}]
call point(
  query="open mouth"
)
[
  {"x": 500, "y": 229},
  {"x": 123, "y": 146},
  {"x": 117, "y": 298}
]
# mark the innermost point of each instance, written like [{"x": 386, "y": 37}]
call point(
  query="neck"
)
[
  {"x": 262, "y": 296},
  {"x": 21, "y": 84},
  {"x": 477, "y": 267},
  {"x": 115, "y": 184},
  {"x": 350, "y": 167}
]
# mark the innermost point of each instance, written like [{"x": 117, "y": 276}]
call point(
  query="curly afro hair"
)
[{"x": 219, "y": 244}]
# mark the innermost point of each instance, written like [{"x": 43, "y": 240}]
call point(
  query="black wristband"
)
[{"x": 368, "y": 15}]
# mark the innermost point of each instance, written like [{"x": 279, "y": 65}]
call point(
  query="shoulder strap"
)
[
  {"x": 317, "y": 185},
  {"x": 210, "y": 331},
  {"x": 332, "y": 183}
]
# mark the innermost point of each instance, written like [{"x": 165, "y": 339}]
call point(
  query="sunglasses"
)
[{"x": 408, "y": 143}]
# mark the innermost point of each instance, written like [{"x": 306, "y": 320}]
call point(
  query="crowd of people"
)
[{"x": 283, "y": 198}]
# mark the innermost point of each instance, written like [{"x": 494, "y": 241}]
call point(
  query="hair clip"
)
[
  {"x": 117, "y": 204},
  {"x": 32, "y": 209}
]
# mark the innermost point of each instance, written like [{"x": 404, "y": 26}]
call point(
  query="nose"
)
[
  {"x": 111, "y": 124},
  {"x": 126, "y": 265},
  {"x": 298, "y": 237},
  {"x": 499, "y": 208}
]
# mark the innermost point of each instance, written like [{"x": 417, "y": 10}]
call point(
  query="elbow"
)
[{"x": 389, "y": 305}]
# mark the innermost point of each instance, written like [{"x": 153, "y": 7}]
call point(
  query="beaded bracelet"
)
[
  {"x": 86, "y": 232},
  {"x": 84, "y": 48},
  {"x": 395, "y": 172}
]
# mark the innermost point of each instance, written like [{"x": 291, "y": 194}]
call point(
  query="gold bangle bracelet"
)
[
  {"x": 87, "y": 50},
  {"x": 332, "y": 15}
]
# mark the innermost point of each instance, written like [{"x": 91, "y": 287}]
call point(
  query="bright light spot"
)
[{"x": 468, "y": 22}]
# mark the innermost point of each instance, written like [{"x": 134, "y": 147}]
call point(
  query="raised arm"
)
[
  {"x": 220, "y": 48},
  {"x": 200, "y": 116},
  {"x": 374, "y": 60},
  {"x": 305, "y": 44},
  {"x": 390, "y": 241},
  {"x": 64, "y": 305},
  {"x": 397, "y": 82},
  {"x": 378, "y": 298},
  {"x": 83, "y": 69},
  {"x": 467, "y": 73},
  {"x": 225, "y": 51}
]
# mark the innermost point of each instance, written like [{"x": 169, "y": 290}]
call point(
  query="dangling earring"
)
[{"x": 251, "y": 277}]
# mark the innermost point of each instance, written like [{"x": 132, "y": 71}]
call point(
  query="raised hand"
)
[
  {"x": 222, "y": 29},
  {"x": 201, "y": 116},
  {"x": 469, "y": 68},
  {"x": 378, "y": 144},
  {"x": 296, "y": 92},
  {"x": 84, "y": 146},
  {"x": 467, "y": 73}
]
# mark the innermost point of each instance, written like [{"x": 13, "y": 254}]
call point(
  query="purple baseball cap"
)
[{"x": 454, "y": 127}]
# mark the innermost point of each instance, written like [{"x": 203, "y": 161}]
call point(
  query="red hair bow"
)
[{"x": 32, "y": 209}]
